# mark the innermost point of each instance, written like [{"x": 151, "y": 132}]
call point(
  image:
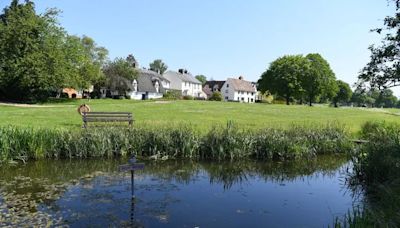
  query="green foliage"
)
[
  {"x": 298, "y": 77},
  {"x": 216, "y": 96},
  {"x": 179, "y": 142},
  {"x": 377, "y": 171},
  {"x": 39, "y": 58},
  {"x": 319, "y": 80},
  {"x": 201, "y": 78},
  {"x": 283, "y": 76},
  {"x": 374, "y": 98},
  {"x": 119, "y": 75},
  {"x": 173, "y": 95},
  {"x": 188, "y": 97},
  {"x": 382, "y": 70},
  {"x": 158, "y": 66},
  {"x": 344, "y": 93}
]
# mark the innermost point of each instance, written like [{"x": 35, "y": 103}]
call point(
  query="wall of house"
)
[
  {"x": 192, "y": 89},
  {"x": 139, "y": 95},
  {"x": 229, "y": 94}
]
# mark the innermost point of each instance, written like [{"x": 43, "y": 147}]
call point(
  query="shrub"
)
[
  {"x": 216, "y": 96},
  {"x": 188, "y": 97},
  {"x": 172, "y": 95}
]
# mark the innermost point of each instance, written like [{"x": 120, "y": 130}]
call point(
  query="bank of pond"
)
[{"x": 224, "y": 177}]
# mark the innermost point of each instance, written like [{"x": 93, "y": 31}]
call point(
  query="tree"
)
[
  {"x": 201, "y": 78},
  {"x": 386, "y": 99},
  {"x": 383, "y": 70},
  {"x": 119, "y": 75},
  {"x": 343, "y": 94},
  {"x": 158, "y": 66},
  {"x": 283, "y": 77},
  {"x": 38, "y": 57},
  {"x": 319, "y": 79}
]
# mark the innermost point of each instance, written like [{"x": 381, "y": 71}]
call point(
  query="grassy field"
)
[{"x": 202, "y": 114}]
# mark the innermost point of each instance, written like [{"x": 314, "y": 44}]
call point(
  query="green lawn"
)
[{"x": 202, "y": 114}]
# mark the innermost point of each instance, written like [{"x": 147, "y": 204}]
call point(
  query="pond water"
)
[{"x": 76, "y": 193}]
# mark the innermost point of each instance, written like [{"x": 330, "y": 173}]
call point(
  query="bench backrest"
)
[{"x": 107, "y": 117}]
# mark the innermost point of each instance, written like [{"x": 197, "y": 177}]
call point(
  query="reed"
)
[{"x": 220, "y": 143}]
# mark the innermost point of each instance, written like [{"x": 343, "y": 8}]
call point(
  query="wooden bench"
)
[{"x": 90, "y": 117}]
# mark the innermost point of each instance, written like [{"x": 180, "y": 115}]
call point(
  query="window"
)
[
  {"x": 227, "y": 85},
  {"x": 242, "y": 98},
  {"x": 252, "y": 94},
  {"x": 247, "y": 93},
  {"x": 226, "y": 91},
  {"x": 226, "y": 98},
  {"x": 252, "y": 100}
]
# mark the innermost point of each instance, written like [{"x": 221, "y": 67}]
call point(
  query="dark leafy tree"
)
[
  {"x": 383, "y": 70},
  {"x": 344, "y": 93},
  {"x": 201, "y": 78},
  {"x": 37, "y": 56},
  {"x": 319, "y": 79},
  {"x": 158, "y": 66},
  {"x": 283, "y": 77},
  {"x": 119, "y": 75}
]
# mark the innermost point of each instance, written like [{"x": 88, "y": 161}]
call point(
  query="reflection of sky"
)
[{"x": 307, "y": 201}]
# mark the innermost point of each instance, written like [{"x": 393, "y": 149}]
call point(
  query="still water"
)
[{"x": 76, "y": 193}]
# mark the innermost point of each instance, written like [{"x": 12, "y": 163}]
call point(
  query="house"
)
[
  {"x": 212, "y": 86},
  {"x": 147, "y": 85},
  {"x": 184, "y": 82},
  {"x": 239, "y": 90}
]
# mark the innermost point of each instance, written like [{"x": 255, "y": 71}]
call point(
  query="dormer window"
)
[
  {"x": 157, "y": 86},
  {"x": 134, "y": 84}
]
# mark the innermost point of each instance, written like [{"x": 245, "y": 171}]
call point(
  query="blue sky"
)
[{"x": 228, "y": 38}]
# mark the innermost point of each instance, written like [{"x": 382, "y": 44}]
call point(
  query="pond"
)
[{"x": 178, "y": 193}]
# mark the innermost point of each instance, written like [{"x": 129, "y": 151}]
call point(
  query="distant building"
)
[
  {"x": 184, "y": 82},
  {"x": 212, "y": 86},
  {"x": 148, "y": 85},
  {"x": 239, "y": 90}
]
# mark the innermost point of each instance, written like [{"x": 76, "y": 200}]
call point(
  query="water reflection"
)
[{"x": 174, "y": 193}]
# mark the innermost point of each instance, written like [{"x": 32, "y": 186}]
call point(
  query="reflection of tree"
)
[{"x": 41, "y": 183}]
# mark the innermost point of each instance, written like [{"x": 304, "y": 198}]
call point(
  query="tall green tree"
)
[
  {"x": 344, "y": 93},
  {"x": 319, "y": 79},
  {"x": 119, "y": 75},
  {"x": 283, "y": 77},
  {"x": 383, "y": 70},
  {"x": 201, "y": 78},
  {"x": 158, "y": 66},
  {"x": 38, "y": 57}
]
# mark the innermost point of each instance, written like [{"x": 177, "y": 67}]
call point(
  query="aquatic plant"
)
[{"x": 220, "y": 143}]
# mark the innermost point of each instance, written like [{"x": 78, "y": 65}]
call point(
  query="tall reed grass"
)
[{"x": 220, "y": 143}]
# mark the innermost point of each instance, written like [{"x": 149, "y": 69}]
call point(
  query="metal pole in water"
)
[{"x": 132, "y": 184}]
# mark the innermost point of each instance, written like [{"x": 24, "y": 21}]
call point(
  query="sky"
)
[{"x": 228, "y": 38}]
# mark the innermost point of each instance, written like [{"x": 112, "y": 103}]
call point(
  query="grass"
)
[{"x": 200, "y": 114}]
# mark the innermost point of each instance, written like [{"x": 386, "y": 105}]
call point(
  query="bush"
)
[
  {"x": 172, "y": 95},
  {"x": 188, "y": 97},
  {"x": 216, "y": 96}
]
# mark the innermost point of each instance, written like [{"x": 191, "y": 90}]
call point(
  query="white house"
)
[
  {"x": 239, "y": 90},
  {"x": 185, "y": 82},
  {"x": 148, "y": 85}
]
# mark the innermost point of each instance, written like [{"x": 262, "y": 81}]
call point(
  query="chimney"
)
[
  {"x": 240, "y": 77},
  {"x": 180, "y": 71}
]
